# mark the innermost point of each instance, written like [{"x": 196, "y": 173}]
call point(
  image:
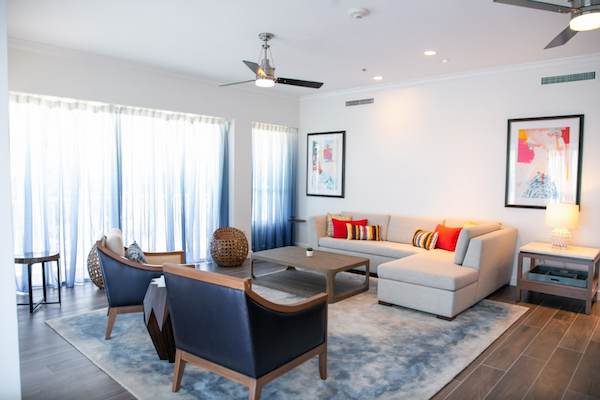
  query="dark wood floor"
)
[{"x": 552, "y": 352}]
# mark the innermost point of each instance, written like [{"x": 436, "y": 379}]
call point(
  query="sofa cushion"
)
[
  {"x": 114, "y": 242},
  {"x": 402, "y": 229},
  {"x": 340, "y": 231},
  {"x": 358, "y": 232},
  {"x": 330, "y": 217},
  {"x": 379, "y": 248},
  {"x": 460, "y": 223},
  {"x": 383, "y": 220},
  {"x": 447, "y": 237},
  {"x": 466, "y": 234},
  {"x": 435, "y": 269},
  {"x": 424, "y": 239}
]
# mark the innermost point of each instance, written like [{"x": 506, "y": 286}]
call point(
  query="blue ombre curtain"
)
[
  {"x": 79, "y": 169},
  {"x": 274, "y": 165},
  {"x": 174, "y": 169}
]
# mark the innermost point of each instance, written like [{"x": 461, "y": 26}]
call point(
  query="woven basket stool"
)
[
  {"x": 229, "y": 247},
  {"x": 94, "y": 268}
]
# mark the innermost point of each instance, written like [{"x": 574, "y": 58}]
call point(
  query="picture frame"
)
[
  {"x": 325, "y": 159},
  {"x": 543, "y": 161}
]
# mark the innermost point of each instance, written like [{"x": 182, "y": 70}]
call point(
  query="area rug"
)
[{"x": 374, "y": 352}]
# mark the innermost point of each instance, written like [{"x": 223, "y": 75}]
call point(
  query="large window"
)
[
  {"x": 274, "y": 159},
  {"x": 79, "y": 169}
]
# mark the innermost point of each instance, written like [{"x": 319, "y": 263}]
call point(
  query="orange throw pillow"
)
[
  {"x": 339, "y": 227},
  {"x": 447, "y": 237}
]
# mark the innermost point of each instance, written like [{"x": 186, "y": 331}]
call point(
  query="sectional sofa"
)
[{"x": 436, "y": 281}]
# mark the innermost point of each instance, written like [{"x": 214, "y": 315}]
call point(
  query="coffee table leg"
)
[
  {"x": 252, "y": 269},
  {"x": 329, "y": 281}
]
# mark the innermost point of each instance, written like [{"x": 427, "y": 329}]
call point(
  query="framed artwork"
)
[
  {"x": 326, "y": 157},
  {"x": 543, "y": 162}
]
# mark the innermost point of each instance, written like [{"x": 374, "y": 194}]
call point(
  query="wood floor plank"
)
[
  {"x": 546, "y": 342},
  {"x": 556, "y": 375},
  {"x": 596, "y": 334},
  {"x": 487, "y": 352},
  {"x": 442, "y": 394},
  {"x": 478, "y": 384},
  {"x": 569, "y": 395},
  {"x": 585, "y": 380},
  {"x": 580, "y": 333},
  {"x": 508, "y": 352},
  {"x": 517, "y": 380},
  {"x": 540, "y": 316}
]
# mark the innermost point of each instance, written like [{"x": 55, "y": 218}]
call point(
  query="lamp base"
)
[{"x": 560, "y": 238}]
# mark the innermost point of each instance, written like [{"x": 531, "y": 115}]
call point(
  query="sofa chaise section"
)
[{"x": 435, "y": 281}]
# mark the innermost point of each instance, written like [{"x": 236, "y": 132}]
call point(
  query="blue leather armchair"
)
[
  {"x": 221, "y": 325},
  {"x": 126, "y": 282}
]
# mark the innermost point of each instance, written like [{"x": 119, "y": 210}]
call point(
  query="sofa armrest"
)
[
  {"x": 317, "y": 228},
  {"x": 493, "y": 254}
]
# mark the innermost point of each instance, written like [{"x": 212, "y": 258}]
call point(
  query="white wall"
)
[
  {"x": 57, "y": 72},
  {"x": 10, "y": 376},
  {"x": 438, "y": 147}
]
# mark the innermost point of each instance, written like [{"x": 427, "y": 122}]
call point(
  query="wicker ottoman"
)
[{"x": 229, "y": 247}]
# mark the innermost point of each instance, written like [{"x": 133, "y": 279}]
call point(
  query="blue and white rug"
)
[{"x": 374, "y": 352}]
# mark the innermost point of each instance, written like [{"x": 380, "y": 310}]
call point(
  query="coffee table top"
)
[{"x": 321, "y": 261}]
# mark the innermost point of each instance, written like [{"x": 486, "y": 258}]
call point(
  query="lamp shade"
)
[
  {"x": 586, "y": 20},
  {"x": 562, "y": 216}
]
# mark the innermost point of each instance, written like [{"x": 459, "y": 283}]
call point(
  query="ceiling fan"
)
[
  {"x": 265, "y": 72},
  {"x": 585, "y": 16}
]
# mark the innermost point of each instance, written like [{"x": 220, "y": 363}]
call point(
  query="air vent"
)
[
  {"x": 359, "y": 102},
  {"x": 586, "y": 76}
]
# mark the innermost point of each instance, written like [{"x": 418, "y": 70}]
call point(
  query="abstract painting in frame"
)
[
  {"x": 326, "y": 157},
  {"x": 543, "y": 163}
]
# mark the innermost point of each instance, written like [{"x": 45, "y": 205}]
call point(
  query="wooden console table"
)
[{"x": 587, "y": 256}]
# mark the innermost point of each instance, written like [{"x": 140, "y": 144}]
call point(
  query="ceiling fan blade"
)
[
  {"x": 296, "y": 82},
  {"x": 562, "y": 38},
  {"x": 237, "y": 83},
  {"x": 538, "y": 5},
  {"x": 255, "y": 68}
]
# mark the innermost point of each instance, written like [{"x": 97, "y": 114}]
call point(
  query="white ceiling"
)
[{"x": 314, "y": 39}]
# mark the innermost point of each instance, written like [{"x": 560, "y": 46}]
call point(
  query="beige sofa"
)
[{"x": 435, "y": 281}]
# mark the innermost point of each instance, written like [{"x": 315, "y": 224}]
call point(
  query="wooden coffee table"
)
[{"x": 323, "y": 262}]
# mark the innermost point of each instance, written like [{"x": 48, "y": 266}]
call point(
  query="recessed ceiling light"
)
[
  {"x": 430, "y": 53},
  {"x": 378, "y": 78},
  {"x": 445, "y": 61}
]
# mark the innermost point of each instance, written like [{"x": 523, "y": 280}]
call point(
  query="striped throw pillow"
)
[
  {"x": 329, "y": 232},
  {"x": 357, "y": 232},
  {"x": 424, "y": 239}
]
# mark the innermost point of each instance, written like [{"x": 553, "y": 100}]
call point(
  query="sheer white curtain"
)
[
  {"x": 174, "y": 169},
  {"x": 81, "y": 168},
  {"x": 274, "y": 159},
  {"x": 64, "y": 168}
]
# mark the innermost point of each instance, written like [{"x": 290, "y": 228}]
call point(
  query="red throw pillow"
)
[
  {"x": 447, "y": 237},
  {"x": 339, "y": 227}
]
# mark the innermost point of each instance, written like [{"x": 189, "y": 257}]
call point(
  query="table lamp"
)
[{"x": 561, "y": 217}]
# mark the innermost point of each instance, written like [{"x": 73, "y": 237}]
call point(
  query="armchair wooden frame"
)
[
  {"x": 114, "y": 311},
  {"x": 254, "y": 385}
]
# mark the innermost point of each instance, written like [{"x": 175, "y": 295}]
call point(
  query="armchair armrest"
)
[
  {"x": 281, "y": 333},
  {"x": 159, "y": 258}
]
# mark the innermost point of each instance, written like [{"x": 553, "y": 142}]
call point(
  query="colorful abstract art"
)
[
  {"x": 543, "y": 163},
  {"x": 326, "y": 153}
]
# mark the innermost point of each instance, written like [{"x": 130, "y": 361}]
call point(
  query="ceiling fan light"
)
[
  {"x": 264, "y": 82},
  {"x": 586, "y": 20}
]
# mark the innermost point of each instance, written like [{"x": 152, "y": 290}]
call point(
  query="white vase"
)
[{"x": 309, "y": 253}]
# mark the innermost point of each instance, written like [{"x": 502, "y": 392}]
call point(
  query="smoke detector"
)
[{"x": 358, "y": 13}]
